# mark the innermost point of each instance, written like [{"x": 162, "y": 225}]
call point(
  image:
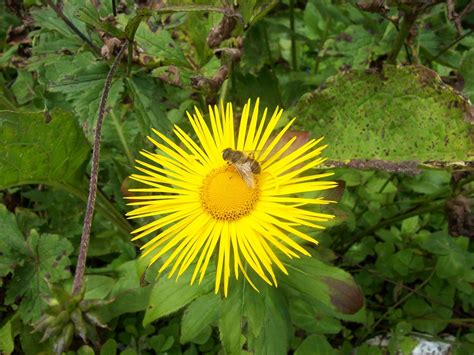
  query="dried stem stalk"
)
[{"x": 84, "y": 246}]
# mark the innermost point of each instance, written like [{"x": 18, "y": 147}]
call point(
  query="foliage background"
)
[{"x": 402, "y": 232}]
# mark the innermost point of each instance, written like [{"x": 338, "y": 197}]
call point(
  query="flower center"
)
[{"x": 226, "y": 196}]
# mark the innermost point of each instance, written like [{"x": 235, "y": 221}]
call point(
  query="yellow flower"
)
[{"x": 204, "y": 206}]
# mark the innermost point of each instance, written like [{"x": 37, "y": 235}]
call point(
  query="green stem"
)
[
  {"x": 293, "y": 37},
  {"x": 405, "y": 27},
  {"x": 436, "y": 206},
  {"x": 119, "y": 130},
  {"x": 403, "y": 299}
]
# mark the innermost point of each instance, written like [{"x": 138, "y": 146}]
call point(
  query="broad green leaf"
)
[
  {"x": 109, "y": 347},
  {"x": 274, "y": 337},
  {"x": 98, "y": 286},
  {"x": 324, "y": 284},
  {"x": 127, "y": 301},
  {"x": 200, "y": 314},
  {"x": 170, "y": 295},
  {"x": 315, "y": 344},
  {"x": 230, "y": 322},
  {"x": 34, "y": 150},
  {"x": 308, "y": 318},
  {"x": 42, "y": 257},
  {"x": 367, "y": 115}
]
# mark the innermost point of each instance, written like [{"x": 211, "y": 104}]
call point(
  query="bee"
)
[{"x": 245, "y": 165}]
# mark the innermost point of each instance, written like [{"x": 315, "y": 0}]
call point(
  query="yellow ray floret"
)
[{"x": 204, "y": 206}]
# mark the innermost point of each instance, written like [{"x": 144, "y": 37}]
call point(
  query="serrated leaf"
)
[
  {"x": 36, "y": 151},
  {"x": 90, "y": 15},
  {"x": 160, "y": 45},
  {"x": 147, "y": 108},
  {"x": 169, "y": 295},
  {"x": 83, "y": 88},
  {"x": 365, "y": 115},
  {"x": 12, "y": 243},
  {"x": 324, "y": 284},
  {"x": 200, "y": 314},
  {"x": 44, "y": 256}
]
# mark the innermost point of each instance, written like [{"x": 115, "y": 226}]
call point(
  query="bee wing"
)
[{"x": 245, "y": 172}]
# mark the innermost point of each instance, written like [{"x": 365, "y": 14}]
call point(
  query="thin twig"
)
[
  {"x": 71, "y": 25},
  {"x": 81, "y": 261},
  {"x": 452, "y": 44},
  {"x": 293, "y": 35}
]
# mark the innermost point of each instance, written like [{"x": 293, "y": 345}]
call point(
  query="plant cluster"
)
[{"x": 387, "y": 83}]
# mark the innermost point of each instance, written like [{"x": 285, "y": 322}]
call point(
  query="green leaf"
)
[
  {"x": 109, "y": 347},
  {"x": 169, "y": 295},
  {"x": 365, "y": 115},
  {"x": 12, "y": 243},
  {"x": 160, "y": 45},
  {"x": 42, "y": 257},
  {"x": 98, "y": 286},
  {"x": 23, "y": 87},
  {"x": 200, "y": 314},
  {"x": 83, "y": 88},
  {"x": 6, "y": 338},
  {"x": 274, "y": 337},
  {"x": 90, "y": 15},
  {"x": 127, "y": 301},
  {"x": 230, "y": 322},
  {"x": 146, "y": 95},
  {"x": 324, "y": 284},
  {"x": 466, "y": 69},
  {"x": 315, "y": 344},
  {"x": 308, "y": 318},
  {"x": 34, "y": 150}
]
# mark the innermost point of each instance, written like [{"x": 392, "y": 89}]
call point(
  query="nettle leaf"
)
[
  {"x": 35, "y": 150},
  {"x": 325, "y": 285},
  {"x": 199, "y": 316},
  {"x": 83, "y": 89},
  {"x": 170, "y": 295},
  {"x": 90, "y": 15},
  {"x": 39, "y": 258},
  {"x": 147, "y": 98},
  {"x": 367, "y": 115},
  {"x": 160, "y": 45},
  {"x": 12, "y": 243}
]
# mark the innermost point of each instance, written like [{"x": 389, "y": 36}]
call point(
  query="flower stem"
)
[
  {"x": 405, "y": 27},
  {"x": 84, "y": 246}
]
